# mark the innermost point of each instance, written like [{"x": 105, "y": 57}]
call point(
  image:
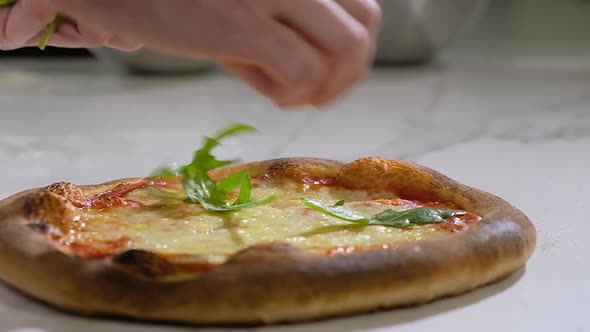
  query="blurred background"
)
[{"x": 416, "y": 32}]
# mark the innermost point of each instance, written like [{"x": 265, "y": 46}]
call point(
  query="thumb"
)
[{"x": 25, "y": 20}]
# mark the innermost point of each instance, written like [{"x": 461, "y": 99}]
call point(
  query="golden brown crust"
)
[{"x": 272, "y": 282}]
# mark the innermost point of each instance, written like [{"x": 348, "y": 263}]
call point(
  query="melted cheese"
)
[{"x": 187, "y": 233}]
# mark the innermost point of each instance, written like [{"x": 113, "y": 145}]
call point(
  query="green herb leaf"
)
[
  {"x": 245, "y": 190},
  {"x": 336, "y": 211},
  {"x": 7, "y": 3},
  {"x": 202, "y": 189},
  {"x": 166, "y": 172},
  {"x": 389, "y": 217},
  {"x": 230, "y": 183}
]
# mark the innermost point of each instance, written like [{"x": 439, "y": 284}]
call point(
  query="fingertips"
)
[
  {"x": 254, "y": 76},
  {"x": 344, "y": 32},
  {"x": 367, "y": 12},
  {"x": 123, "y": 44},
  {"x": 352, "y": 66},
  {"x": 295, "y": 68}
]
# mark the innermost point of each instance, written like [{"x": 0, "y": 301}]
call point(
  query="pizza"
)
[{"x": 273, "y": 241}]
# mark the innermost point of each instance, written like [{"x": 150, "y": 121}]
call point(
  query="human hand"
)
[
  {"x": 25, "y": 24},
  {"x": 295, "y": 53},
  {"x": 306, "y": 53}
]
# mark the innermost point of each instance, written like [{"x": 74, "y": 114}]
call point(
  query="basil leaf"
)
[
  {"x": 389, "y": 217},
  {"x": 202, "y": 189},
  {"x": 235, "y": 129},
  {"x": 230, "y": 183},
  {"x": 417, "y": 216},
  {"x": 252, "y": 203},
  {"x": 245, "y": 190},
  {"x": 166, "y": 172}
]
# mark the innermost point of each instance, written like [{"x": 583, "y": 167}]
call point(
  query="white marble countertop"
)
[{"x": 518, "y": 129}]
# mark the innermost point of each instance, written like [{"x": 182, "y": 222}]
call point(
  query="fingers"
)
[
  {"x": 285, "y": 75},
  {"x": 24, "y": 21},
  {"x": 174, "y": 26},
  {"x": 71, "y": 35},
  {"x": 88, "y": 24},
  {"x": 353, "y": 67},
  {"x": 336, "y": 34},
  {"x": 308, "y": 52},
  {"x": 322, "y": 22},
  {"x": 276, "y": 61},
  {"x": 315, "y": 51},
  {"x": 367, "y": 12},
  {"x": 254, "y": 76},
  {"x": 296, "y": 67}
]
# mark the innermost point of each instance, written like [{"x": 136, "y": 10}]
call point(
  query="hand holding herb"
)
[
  {"x": 38, "y": 23},
  {"x": 328, "y": 52}
]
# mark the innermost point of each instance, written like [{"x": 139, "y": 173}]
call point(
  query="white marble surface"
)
[{"x": 518, "y": 129}]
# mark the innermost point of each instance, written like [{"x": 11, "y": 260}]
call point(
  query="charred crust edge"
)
[
  {"x": 69, "y": 191},
  {"x": 144, "y": 264},
  {"x": 46, "y": 208}
]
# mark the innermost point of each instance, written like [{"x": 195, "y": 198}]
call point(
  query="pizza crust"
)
[{"x": 275, "y": 282}]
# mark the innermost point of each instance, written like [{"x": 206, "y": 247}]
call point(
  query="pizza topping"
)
[
  {"x": 202, "y": 189},
  {"x": 122, "y": 190},
  {"x": 459, "y": 224},
  {"x": 400, "y": 219},
  {"x": 185, "y": 216},
  {"x": 108, "y": 202},
  {"x": 188, "y": 234}
]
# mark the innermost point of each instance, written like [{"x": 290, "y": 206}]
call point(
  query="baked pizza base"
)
[{"x": 275, "y": 282}]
